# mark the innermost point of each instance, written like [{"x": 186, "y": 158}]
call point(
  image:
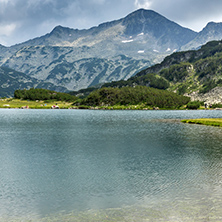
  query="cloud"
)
[
  {"x": 37, "y": 17},
  {"x": 146, "y": 4},
  {"x": 21, "y": 20},
  {"x": 7, "y": 29},
  {"x": 192, "y": 14}
]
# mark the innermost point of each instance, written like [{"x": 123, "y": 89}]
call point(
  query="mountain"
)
[
  {"x": 213, "y": 31},
  {"x": 11, "y": 80},
  {"x": 194, "y": 73},
  {"x": 112, "y": 51},
  {"x": 145, "y": 30}
]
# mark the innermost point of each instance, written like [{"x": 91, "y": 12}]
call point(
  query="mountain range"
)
[{"x": 70, "y": 59}]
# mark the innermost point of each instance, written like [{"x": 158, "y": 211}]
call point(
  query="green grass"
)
[
  {"x": 17, "y": 103},
  {"x": 208, "y": 122}
]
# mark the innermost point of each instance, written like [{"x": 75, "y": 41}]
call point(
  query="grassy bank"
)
[
  {"x": 17, "y": 103},
  {"x": 208, "y": 122},
  {"x": 40, "y": 104}
]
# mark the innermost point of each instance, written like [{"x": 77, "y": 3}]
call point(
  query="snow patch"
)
[
  {"x": 140, "y": 34},
  {"x": 169, "y": 49},
  {"x": 141, "y": 51},
  {"x": 155, "y": 50},
  {"x": 126, "y": 41}
]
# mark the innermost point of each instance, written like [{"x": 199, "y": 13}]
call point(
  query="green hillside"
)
[
  {"x": 183, "y": 72},
  {"x": 194, "y": 72}
]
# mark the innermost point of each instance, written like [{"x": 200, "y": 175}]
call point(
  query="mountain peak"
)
[
  {"x": 142, "y": 15},
  {"x": 145, "y": 12},
  {"x": 213, "y": 25},
  {"x": 2, "y": 46},
  {"x": 60, "y": 29},
  {"x": 213, "y": 31},
  {"x": 156, "y": 26}
]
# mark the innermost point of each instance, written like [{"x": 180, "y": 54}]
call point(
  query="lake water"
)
[{"x": 84, "y": 165}]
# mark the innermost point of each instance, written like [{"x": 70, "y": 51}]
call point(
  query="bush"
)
[
  {"x": 135, "y": 96},
  {"x": 193, "y": 105},
  {"x": 218, "y": 105},
  {"x": 43, "y": 94}
]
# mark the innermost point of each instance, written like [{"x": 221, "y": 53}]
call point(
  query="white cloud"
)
[
  {"x": 146, "y": 4},
  {"x": 7, "y": 30}
]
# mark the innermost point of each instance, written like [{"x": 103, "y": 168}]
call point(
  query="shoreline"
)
[{"x": 27, "y": 104}]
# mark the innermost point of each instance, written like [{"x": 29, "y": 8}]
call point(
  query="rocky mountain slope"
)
[
  {"x": 115, "y": 50},
  {"x": 213, "y": 31},
  {"x": 11, "y": 80},
  {"x": 194, "y": 73}
]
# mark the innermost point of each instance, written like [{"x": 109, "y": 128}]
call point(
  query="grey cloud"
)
[
  {"x": 188, "y": 12},
  {"x": 21, "y": 20},
  {"x": 37, "y": 17}
]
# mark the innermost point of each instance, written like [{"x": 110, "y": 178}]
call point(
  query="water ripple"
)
[{"x": 121, "y": 165}]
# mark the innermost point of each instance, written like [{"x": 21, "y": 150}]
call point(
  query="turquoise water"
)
[{"x": 82, "y": 165}]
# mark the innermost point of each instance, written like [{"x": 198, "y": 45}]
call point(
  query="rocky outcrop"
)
[{"x": 214, "y": 96}]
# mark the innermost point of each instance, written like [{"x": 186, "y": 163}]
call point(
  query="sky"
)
[{"x": 21, "y": 20}]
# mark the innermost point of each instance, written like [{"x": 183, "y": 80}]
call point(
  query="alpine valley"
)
[{"x": 70, "y": 59}]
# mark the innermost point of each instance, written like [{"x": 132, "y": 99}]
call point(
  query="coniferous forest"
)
[{"x": 133, "y": 96}]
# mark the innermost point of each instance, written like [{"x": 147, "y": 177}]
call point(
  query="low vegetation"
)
[
  {"x": 208, "y": 122},
  {"x": 138, "y": 95},
  {"x": 38, "y": 99},
  {"x": 38, "y": 104},
  {"x": 43, "y": 94},
  {"x": 193, "y": 105},
  {"x": 128, "y": 98}
]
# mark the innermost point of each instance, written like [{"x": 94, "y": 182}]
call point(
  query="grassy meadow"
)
[
  {"x": 208, "y": 122},
  {"x": 17, "y": 103}
]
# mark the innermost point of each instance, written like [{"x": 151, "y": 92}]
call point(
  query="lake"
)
[{"x": 100, "y": 165}]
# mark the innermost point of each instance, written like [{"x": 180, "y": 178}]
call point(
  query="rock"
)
[{"x": 214, "y": 96}]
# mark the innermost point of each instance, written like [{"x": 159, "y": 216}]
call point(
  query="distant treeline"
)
[
  {"x": 133, "y": 96},
  {"x": 43, "y": 94}
]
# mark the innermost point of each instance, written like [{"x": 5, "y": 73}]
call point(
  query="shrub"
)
[
  {"x": 218, "y": 105},
  {"x": 43, "y": 94},
  {"x": 135, "y": 96},
  {"x": 193, "y": 105}
]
